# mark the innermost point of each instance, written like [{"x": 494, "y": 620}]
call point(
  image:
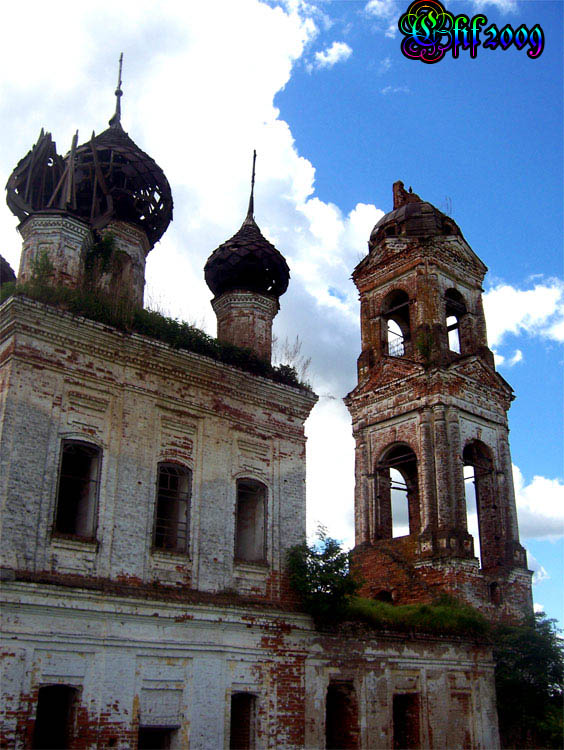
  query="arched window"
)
[
  {"x": 172, "y": 512},
  {"x": 77, "y": 491},
  {"x": 395, "y": 314},
  {"x": 250, "y": 521},
  {"x": 397, "y": 495},
  {"x": 480, "y": 500},
  {"x": 455, "y": 310}
]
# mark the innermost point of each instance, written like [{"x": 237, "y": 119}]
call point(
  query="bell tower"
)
[{"x": 429, "y": 411}]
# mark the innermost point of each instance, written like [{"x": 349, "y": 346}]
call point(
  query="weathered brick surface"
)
[
  {"x": 441, "y": 406},
  {"x": 136, "y": 661}
]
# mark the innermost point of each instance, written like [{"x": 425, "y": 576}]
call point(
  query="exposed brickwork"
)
[{"x": 444, "y": 409}]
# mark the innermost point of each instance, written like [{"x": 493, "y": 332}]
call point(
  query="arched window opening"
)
[
  {"x": 455, "y": 310},
  {"x": 384, "y": 596},
  {"x": 397, "y": 496},
  {"x": 472, "y": 509},
  {"x": 341, "y": 716},
  {"x": 396, "y": 342},
  {"x": 480, "y": 501},
  {"x": 77, "y": 492},
  {"x": 172, "y": 517},
  {"x": 453, "y": 330},
  {"x": 395, "y": 313},
  {"x": 250, "y": 521}
]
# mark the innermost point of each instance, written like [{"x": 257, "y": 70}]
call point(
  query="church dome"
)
[
  {"x": 109, "y": 177},
  {"x": 247, "y": 262},
  {"x": 115, "y": 179},
  {"x": 412, "y": 217}
]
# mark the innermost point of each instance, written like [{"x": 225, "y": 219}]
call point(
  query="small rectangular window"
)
[
  {"x": 406, "y": 721},
  {"x": 241, "y": 736},
  {"x": 77, "y": 494},
  {"x": 341, "y": 717},
  {"x": 172, "y": 518},
  {"x": 250, "y": 523},
  {"x": 54, "y": 720}
]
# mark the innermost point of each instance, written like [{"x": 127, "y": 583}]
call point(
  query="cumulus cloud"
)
[
  {"x": 537, "y": 311},
  {"x": 337, "y": 52},
  {"x": 387, "y": 12},
  {"x": 540, "y": 506}
]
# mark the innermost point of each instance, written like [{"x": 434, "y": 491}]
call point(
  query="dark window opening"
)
[
  {"x": 455, "y": 311},
  {"x": 172, "y": 518},
  {"x": 77, "y": 495},
  {"x": 54, "y": 720},
  {"x": 397, "y": 494},
  {"x": 495, "y": 593},
  {"x": 155, "y": 738},
  {"x": 384, "y": 596},
  {"x": 241, "y": 733},
  {"x": 406, "y": 721},
  {"x": 480, "y": 501},
  {"x": 341, "y": 717},
  {"x": 250, "y": 522},
  {"x": 395, "y": 313}
]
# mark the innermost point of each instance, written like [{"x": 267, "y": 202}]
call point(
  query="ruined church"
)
[{"x": 150, "y": 493}]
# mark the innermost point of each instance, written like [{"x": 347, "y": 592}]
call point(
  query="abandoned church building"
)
[{"x": 150, "y": 493}]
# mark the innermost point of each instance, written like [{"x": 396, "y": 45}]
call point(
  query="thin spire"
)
[
  {"x": 115, "y": 121},
  {"x": 251, "y": 211}
]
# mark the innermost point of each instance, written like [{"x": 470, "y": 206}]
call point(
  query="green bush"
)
[
  {"x": 529, "y": 678},
  {"x": 320, "y": 574}
]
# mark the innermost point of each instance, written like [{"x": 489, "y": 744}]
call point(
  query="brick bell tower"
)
[{"x": 429, "y": 411}]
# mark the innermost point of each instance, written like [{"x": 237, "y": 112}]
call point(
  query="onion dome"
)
[
  {"x": 247, "y": 261},
  {"x": 412, "y": 217},
  {"x": 35, "y": 179},
  {"x": 6, "y": 272},
  {"x": 105, "y": 179}
]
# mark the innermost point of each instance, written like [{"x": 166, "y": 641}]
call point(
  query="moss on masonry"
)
[{"x": 121, "y": 313}]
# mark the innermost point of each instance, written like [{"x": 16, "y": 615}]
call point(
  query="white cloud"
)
[
  {"x": 385, "y": 65},
  {"x": 337, "y": 52},
  {"x": 394, "y": 90},
  {"x": 540, "y": 506},
  {"x": 504, "y": 6},
  {"x": 381, "y": 8},
  {"x": 540, "y": 573},
  {"x": 538, "y": 608},
  {"x": 538, "y": 311}
]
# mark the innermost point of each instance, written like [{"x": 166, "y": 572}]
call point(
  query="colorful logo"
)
[{"x": 430, "y": 31}]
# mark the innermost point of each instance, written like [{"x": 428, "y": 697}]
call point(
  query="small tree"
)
[
  {"x": 320, "y": 574},
  {"x": 529, "y": 678}
]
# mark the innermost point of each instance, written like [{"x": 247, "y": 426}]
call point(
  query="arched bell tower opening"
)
[
  {"x": 396, "y": 328},
  {"x": 429, "y": 410},
  {"x": 396, "y": 493}
]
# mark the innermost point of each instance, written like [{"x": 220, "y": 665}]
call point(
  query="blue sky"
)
[{"x": 337, "y": 114}]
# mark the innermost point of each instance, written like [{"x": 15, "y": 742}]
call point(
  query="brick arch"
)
[
  {"x": 459, "y": 329},
  {"x": 396, "y": 322},
  {"x": 398, "y": 457},
  {"x": 479, "y": 456}
]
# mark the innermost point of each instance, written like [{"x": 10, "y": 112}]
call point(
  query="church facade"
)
[{"x": 150, "y": 494}]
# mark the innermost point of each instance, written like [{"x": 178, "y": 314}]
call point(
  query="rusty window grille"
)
[
  {"x": 78, "y": 487},
  {"x": 172, "y": 517},
  {"x": 250, "y": 522}
]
